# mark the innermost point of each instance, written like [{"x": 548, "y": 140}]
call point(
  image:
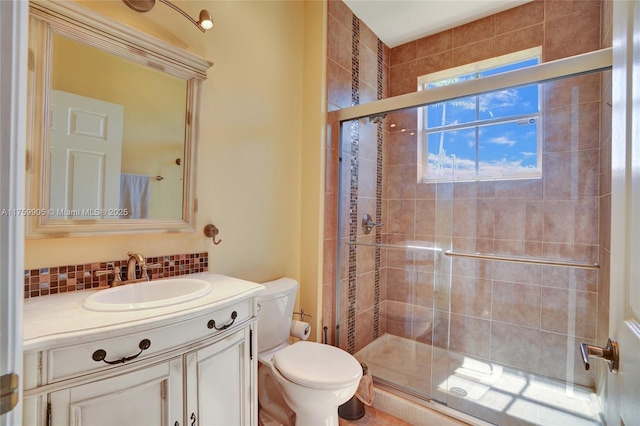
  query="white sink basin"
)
[{"x": 147, "y": 295}]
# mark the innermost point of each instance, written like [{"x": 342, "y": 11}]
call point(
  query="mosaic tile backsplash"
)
[{"x": 63, "y": 279}]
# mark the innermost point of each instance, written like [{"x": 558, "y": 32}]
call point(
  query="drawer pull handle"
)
[
  {"x": 101, "y": 354},
  {"x": 212, "y": 323}
]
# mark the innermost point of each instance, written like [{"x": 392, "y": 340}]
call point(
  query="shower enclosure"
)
[{"x": 473, "y": 241}]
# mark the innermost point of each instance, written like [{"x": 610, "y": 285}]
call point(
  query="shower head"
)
[{"x": 375, "y": 119}]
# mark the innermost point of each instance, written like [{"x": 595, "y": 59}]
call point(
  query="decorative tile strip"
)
[
  {"x": 379, "y": 169},
  {"x": 63, "y": 279},
  {"x": 353, "y": 198}
]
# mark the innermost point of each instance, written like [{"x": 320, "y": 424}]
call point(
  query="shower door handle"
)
[
  {"x": 368, "y": 223},
  {"x": 609, "y": 353}
]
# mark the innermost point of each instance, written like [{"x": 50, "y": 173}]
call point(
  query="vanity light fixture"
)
[{"x": 205, "y": 21}]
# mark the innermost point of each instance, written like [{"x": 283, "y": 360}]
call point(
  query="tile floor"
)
[{"x": 373, "y": 417}]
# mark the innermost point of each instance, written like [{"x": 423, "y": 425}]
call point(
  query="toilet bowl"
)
[{"x": 301, "y": 383}]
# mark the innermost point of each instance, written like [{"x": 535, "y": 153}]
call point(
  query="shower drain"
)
[{"x": 458, "y": 391}]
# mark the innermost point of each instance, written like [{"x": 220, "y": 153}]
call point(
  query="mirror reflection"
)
[{"x": 117, "y": 139}]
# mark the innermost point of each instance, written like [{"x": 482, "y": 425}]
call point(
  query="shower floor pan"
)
[{"x": 494, "y": 393}]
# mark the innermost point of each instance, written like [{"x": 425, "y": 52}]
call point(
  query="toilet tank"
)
[{"x": 275, "y": 309}]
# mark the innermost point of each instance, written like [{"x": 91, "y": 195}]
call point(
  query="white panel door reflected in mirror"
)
[{"x": 85, "y": 148}]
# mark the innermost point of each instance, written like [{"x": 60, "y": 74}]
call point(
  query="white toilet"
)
[{"x": 301, "y": 383}]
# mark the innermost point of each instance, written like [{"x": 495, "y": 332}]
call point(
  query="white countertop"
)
[{"x": 60, "y": 319}]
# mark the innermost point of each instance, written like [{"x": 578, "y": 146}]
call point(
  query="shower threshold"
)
[{"x": 491, "y": 392}]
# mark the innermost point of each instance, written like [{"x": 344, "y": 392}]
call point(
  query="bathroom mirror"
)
[{"x": 113, "y": 126}]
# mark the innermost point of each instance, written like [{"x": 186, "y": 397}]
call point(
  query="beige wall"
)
[
  {"x": 312, "y": 164},
  {"x": 260, "y": 108}
]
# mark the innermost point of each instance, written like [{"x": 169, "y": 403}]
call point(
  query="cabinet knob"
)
[{"x": 193, "y": 419}]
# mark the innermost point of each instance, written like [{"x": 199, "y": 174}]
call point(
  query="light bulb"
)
[{"x": 206, "y": 21}]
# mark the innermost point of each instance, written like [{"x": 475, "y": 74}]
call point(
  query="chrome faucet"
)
[
  {"x": 136, "y": 259},
  {"x": 368, "y": 224}
]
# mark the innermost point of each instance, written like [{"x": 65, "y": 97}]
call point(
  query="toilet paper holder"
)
[
  {"x": 303, "y": 316},
  {"x": 301, "y": 328}
]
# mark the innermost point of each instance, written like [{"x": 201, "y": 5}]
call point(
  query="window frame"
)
[{"x": 477, "y": 67}]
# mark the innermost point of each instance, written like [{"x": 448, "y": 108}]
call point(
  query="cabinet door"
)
[
  {"x": 219, "y": 382},
  {"x": 148, "y": 396}
]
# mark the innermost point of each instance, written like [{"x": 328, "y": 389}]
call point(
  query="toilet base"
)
[
  {"x": 306, "y": 417},
  {"x": 273, "y": 410}
]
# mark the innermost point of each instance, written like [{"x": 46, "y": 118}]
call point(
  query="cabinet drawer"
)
[{"x": 70, "y": 361}]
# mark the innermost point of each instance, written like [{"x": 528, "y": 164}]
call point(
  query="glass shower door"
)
[
  {"x": 475, "y": 292},
  {"x": 389, "y": 255},
  {"x": 526, "y": 283}
]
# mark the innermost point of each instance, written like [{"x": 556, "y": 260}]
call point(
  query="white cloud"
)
[
  {"x": 458, "y": 168},
  {"x": 502, "y": 140},
  {"x": 503, "y": 99}
]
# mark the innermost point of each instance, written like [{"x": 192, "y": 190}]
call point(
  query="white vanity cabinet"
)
[
  {"x": 195, "y": 366},
  {"x": 151, "y": 395},
  {"x": 218, "y": 382}
]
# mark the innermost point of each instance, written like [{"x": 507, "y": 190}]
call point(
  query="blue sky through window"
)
[{"x": 494, "y": 135}]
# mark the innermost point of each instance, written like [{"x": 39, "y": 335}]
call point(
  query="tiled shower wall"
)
[
  {"x": 498, "y": 312},
  {"x": 357, "y": 72},
  {"x": 528, "y": 317},
  {"x": 563, "y": 28}
]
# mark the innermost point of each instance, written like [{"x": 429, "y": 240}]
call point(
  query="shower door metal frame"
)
[
  {"x": 597, "y": 60},
  {"x": 591, "y": 62}
]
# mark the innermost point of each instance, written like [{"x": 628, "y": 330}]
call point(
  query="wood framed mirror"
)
[{"x": 113, "y": 127}]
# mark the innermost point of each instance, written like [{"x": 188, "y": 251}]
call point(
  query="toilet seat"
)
[{"x": 317, "y": 366}]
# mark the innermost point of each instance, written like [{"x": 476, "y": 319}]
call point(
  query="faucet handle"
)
[
  {"x": 146, "y": 267},
  {"x": 115, "y": 271},
  {"x": 368, "y": 223}
]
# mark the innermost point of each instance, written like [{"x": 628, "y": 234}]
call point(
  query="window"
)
[{"x": 494, "y": 135}]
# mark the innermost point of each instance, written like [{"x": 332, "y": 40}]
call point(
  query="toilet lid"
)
[{"x": 317, "y": 366}]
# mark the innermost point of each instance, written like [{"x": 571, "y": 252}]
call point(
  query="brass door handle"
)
[
  {"x": 9, "y": 389},
  {"x": 609, "y": 353}
]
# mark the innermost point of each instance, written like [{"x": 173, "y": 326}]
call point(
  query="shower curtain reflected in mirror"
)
[{"x": 496, "y": 339}]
